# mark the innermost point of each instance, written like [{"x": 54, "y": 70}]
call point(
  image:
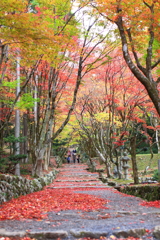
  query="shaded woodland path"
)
[{"x": 87, "y": 208}]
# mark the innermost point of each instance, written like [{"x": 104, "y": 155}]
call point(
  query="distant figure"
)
[
  {"x": 68, "y": 159},
  {"x": 78, "y": 158},
  {"x": 68, "y": 156},
  {"x": 74, "y": 155},
  {"x": 69, "y": 153}
]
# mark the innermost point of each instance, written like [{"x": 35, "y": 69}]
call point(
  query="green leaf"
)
[
  {"x": 12, "y": 84},
  {"x": 26, "y": 101}
]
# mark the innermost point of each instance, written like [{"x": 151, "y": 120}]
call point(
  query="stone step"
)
[
  {"x": 77, "y": 233},
  {"x": 87, "y": 180},
  {"x": 96, "y": 186}
]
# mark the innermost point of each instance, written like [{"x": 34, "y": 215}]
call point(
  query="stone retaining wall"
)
[
  {"x": 147, "y": 192},
  {"x": 15, "y": 186}
]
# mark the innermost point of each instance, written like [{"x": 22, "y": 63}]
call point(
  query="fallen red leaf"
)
[
  {"x": 34, "y": 205},
  {"x": 151, "y": 204}
]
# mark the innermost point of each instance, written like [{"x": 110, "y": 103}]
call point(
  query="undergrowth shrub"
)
[{"x": 156, "y": 175}]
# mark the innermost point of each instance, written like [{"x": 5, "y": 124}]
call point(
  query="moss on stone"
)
[{"x": 147, "y": 192}]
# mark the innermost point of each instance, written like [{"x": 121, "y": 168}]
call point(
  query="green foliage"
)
[
  {"x": 144, "y": 148},
  {"x": 13, "y": 139},
  {"x": 144, "y": 160},
  {"x": 58, "y": 146},
  {"x": 3, "y": 164},
  {"x": 26, "y": 101},
  {"x": 156, "y": 175},
  {"x": 146, "y": 192},
  {"x": 34, "y": 3},
  {"x": 3, "y": 161},
  {"x": 7, "y": 163},
  {"x": 12, "y": 84},
  {"x": 156, "y": 46},
  {"x": 25, "y": 171},
  {"x": 16, "y": 158}
]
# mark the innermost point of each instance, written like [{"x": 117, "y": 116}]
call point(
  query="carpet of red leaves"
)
[
  {"x": 37, "y": 204},
  {"x": 25, "y": 238},
  {"x": 155, "y": 204}
]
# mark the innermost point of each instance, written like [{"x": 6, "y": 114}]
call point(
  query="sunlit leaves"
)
[
  {"x": 139, "y": 17},
  {"x": 104, "y": 117},
  {"x": 12, "y": 5},
  {"x": 39, "y": 31},
  {"x": 11, "y": 84},
  {"x": 101, "y": 117},
  {"x": 26, "y": 101}
]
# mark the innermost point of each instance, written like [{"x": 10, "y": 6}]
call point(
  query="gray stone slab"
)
[
  {"x": 49, "y": 234},
  {"x": 156, "y": 232},
  {"x": 136, "y": 233},
  {"x": 5, "y": 233},
  {"x": 87, "y": 233},
  {"x": 127, "y": 213}
]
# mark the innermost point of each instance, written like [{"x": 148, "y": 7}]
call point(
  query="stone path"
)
[{"x": 124, "y": 216}]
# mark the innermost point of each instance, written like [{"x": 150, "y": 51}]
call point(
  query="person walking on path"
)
[
  {"x": 78, "y": 158},
  {"x": 74, "y": 155},
  {"x": 68, "y": 156},
  {"x": 68, "y": 159}
]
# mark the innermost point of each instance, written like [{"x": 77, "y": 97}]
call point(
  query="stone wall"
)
[
  {"x": 15, "y": 186},
  {"x": 146, "y": 192}
]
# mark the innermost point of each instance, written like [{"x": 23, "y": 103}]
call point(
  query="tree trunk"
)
[
  {"x": 49, "y": 145},
  {"x": 37, "y": 168},
  {"x": 41, "y": 145},
  {"x": 17, "y": 120},
  {"x": 3, "y": 58},
  {"x": 142, "y": 74},
  {"x": 158, "y": 140},
  {"x": 47, "y": 157},
  {"x": 108, "y": 169},
  {"x": 105, "y": 161},
  {"x": 25, "y": 143},
  {"x": 133, "y": 158},
  {"x": 157, "y": 132}
]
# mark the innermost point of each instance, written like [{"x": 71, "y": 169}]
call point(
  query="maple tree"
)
[
  {"x": 11, "y": 35},
  {"x": 111, "y": 113},
  {"x": 67, "y": 81},
  {"x": 47, "y": 81},
  {"x": 138, "y": 27},
  {"x": 45, "y": 27}
]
